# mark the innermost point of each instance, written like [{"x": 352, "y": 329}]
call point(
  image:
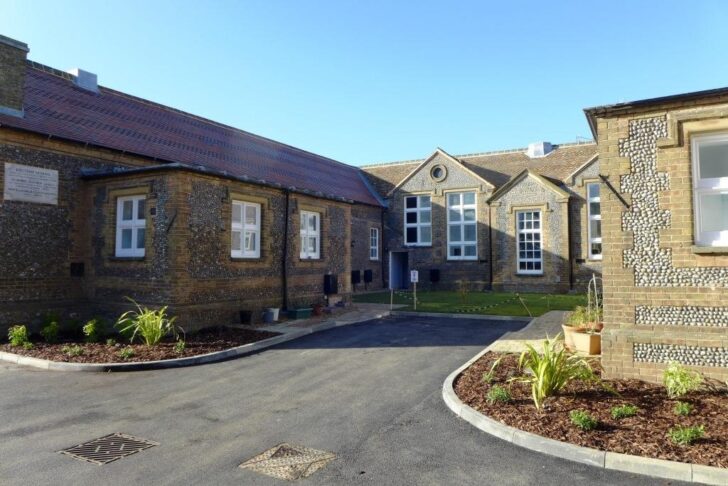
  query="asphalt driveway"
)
[{"x": 369, "y": 392}]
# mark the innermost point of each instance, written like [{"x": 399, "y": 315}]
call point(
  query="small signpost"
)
[{"x": 414, "y": 278}]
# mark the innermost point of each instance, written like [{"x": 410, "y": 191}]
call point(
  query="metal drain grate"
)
[
  {"x": 108, "y": 448},
  {"x": 289, "y": 462}
]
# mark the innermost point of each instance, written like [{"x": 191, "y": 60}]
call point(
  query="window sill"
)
[
  {"x": 302, "y": 259},
  {"x": 519, "y": 274},
  {"x": 462, "y": 259},
  {"x": 245, "y": 259},
  {"x": 709, "y": 250},
  {"x": 127, "y": 258},
  {"x": 416, "y": 245}
]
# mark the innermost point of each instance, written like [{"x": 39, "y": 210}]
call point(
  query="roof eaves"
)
[
  {"x": 594, "y": 111},
  {"x": 90, "y": 174}
]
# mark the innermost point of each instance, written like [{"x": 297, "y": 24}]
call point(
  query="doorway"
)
[{"x": 398, "y": 270}]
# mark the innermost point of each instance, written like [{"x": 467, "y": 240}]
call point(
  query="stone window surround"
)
[
  {"x": 263, "y": 243},
  {"x": 586, "y": 183},
  {"x": 418, "y": 225},
  {"x": 446, "y": 194},
  {"x": 137, "y": 188},
  {"x": 713, "y": 187},
  {"x": 242, "y": 227},
  {"x": 135, "y": 224},
  {"x": 374, "y": 244},
  {"x": 513, "y": 223},
  {"x": 532, "y": 231},
  {"x": 308, "y": 233}
]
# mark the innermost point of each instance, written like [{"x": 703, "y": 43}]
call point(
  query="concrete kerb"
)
[
  {"x": 609, "y": 460},
  {"x": 245, "y": 349},
  {"x": 460, "y": 316}
]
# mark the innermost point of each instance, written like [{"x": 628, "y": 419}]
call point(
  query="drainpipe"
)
[
  {"x": 284, "y": 273},
  {"x": 381, "y": 257},
  {"x": 490, "y": 246}
]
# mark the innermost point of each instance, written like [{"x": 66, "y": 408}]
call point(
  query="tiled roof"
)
[
  {"x": 55, "y": 106},
  {"x": 497, "y": 167}
]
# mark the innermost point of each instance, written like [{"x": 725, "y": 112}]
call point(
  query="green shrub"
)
[
  {"x": 18, "y": 336},
  {"x": 489, "y": 375},
  {"x": 151, "y": 325},
  {"x": 682, "y": 408},
  {"x": 72, "y": 350},
  {"x": 498, "y": 394},
  {"x": 126, "y": 353},
  {"x": 583, "y": 420},
  {"x": 680, "y": 381},
  {"x": 685, "y": 436},
  {"x": 27, "y": 345},
  {"x": 179, "y": 346},
  {"x": 552, "y": 369},
  {"x": 93, "y": 330},
  {"x": 111, "y": 342},
  {"x": 51, "y": 317},
  {"x": 623, "y": 411},
  {"x": 582, "y": 316},
  {"x": 50, "y": 332}
]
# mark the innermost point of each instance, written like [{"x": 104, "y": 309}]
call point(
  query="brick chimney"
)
[{"x": 12, "y": 75}]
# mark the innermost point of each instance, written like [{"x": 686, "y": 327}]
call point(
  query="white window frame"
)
[
  {"x": 593, "y": 217},
  {"x": 307, "y": 232},
  {"x": 460, "y": 208},
  {"x": 374, "y": 243},
  {"x": 525, "y": 231},
  {"x": 134, "y": 224},
  {"x": 419, "y": 210},
  {"x": 242, "y": 228},
  {"x": 703, "y": 186}
]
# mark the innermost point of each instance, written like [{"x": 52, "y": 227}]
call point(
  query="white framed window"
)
[
  {"x": 529, "y": 231},
  {"x": 417, "y": 220},
  {"x": 130, "y": 226},
  {"x": 245, "y": 230},
  {"x": 594, "y": 218},
  {"x": 374, "y": 243},
  {"x": 710, "y": 189},
  {"x": 462, "y": 238},
  {"x": 310, "y": 235}
]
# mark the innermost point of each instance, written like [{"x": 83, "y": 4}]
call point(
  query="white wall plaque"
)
[{"x": 30, "y": 184}]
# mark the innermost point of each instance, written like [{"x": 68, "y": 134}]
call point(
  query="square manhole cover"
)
[
  {"x": 290, "y": 462},
  {"x": 108, "y": 448}
]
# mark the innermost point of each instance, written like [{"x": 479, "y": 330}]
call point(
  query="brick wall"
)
[
  {"x": 187, "y": 263},
  {"x": 12, "y": 75},
  {"x": 583, "y": 268},
  {"x": 475, "y": 272},
  {"x": 530, "y": 194},
  {"x": 663, "y": 300},
  {"x": 363, "y": 219}
]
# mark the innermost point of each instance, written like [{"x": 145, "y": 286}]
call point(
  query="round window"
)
[{"x": 438, "y": 173}]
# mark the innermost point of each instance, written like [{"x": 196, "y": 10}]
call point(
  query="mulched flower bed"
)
[
  {"x": 645, "y": 434},
  {"x": 203, "y": 342}
]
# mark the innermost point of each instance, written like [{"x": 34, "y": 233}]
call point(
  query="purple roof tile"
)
[{"x": 55, "y": 106}]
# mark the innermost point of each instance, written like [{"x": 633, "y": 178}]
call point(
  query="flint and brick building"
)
[
  {"x": 107, "y": 196},
  {"x": 665, "y": 226}
]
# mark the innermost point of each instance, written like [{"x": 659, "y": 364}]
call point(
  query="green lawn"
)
[{"x": 504, "y": 304}]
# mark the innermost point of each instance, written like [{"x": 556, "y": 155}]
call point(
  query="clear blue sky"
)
[{"x": 372, "y": 81}]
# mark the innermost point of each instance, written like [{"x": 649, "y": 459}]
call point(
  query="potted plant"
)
[
  {"x": 318, "y": 309},
  {"x": 274, "y": 311},
  {"x": 582, "y": 329}
]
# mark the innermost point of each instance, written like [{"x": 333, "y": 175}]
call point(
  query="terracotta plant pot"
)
[
  {"x": 318, "y": 309},
  {"x": 589, "y": 343}
]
